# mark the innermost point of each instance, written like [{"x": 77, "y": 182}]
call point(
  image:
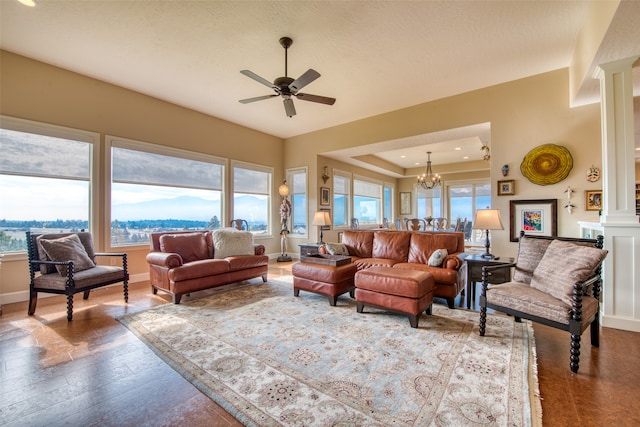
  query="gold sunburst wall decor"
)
[{"x": 547, "y": 164}]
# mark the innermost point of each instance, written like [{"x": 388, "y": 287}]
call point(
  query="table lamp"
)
[
  {"x": 488, "y": 219},
  {"x": 321, "y": 218}
]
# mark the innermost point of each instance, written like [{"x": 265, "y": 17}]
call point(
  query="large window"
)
[
  {"x": 465, "y": 199},
  {"x": 252, "y": 196},
  {"x": 389, "y": 194},
  {"x": 45, "y": 180},
  {"x": 429, "y": 203},
  {"x": 341, "y": 198},
  {"x": 158, "y": 189},
  {"x": 367, "y": 201},
  {"x": 297, "y": 182}
]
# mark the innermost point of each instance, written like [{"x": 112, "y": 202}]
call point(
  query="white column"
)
[{"x": 621, "y": 288}]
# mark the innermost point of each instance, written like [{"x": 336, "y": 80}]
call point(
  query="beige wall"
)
[
  {"x": 36, "y": 91},
  {"x": 523, "y": 114}
]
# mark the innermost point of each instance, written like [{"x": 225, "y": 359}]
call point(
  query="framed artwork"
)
[
  {"x": 537, "y": 217},
  {"x": 326, "y": 227},
  {"x": 325, "y": 195},
  {"x": 405, "y": 203},
  {"x": 593, "y": 200},
  {"x": 506, "y": 188}
]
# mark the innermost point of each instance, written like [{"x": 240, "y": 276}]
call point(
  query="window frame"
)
[
  {"x": 348, "y": 199},
  {"x": 289, "y": 174},
  {"x": 231, "y": 192},
  {"x": 147, "y": 147},
  {"x": 80, "y": 135},
  {"x": 474, "y": 183},
  {"x": 377, "y": 182}
]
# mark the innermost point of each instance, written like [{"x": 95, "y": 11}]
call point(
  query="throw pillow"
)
[
  {"x": 437, "y": 257},
  {"x": 190, "y": 246},
  {"x": 336, "y": 248},
  {"x": 68, "y": 248},
  {"x": 230, "y": 242},
  {"x": 562, "y": 265},
  {"x": 530, "y": 252}
]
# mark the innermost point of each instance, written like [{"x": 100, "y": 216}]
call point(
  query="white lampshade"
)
[
  {"x": 321, "y": 218},
  {"x": 488, "y": 219},
  {"x": 283, "y": 189}
]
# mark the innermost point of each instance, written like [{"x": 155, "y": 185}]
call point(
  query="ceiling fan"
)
[{"x": 288, "y": 87}]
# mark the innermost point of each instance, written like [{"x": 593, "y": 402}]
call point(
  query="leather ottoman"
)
[
  {"x": 323, "y": 279},
  {"x": 400, "y": 290}
]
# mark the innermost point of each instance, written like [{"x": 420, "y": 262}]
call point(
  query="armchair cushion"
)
[
  {"x": 67, "y": 248},
  {"x": 522, "y": 297},
  {"x": 228, "y": 242},
  {"x": 190, "y": 246},
  {"x": 564, "y": 264},
  {"x": 530, "y": 252}
]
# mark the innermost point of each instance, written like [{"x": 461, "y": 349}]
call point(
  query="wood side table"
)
[
  {"x": 307, "y": 249},
  {"x": 474, "y": 273}
]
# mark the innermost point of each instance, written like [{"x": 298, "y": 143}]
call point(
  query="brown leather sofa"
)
[
  {"x": 411, "y": 250},
  {"x": 182, "y": 262}
]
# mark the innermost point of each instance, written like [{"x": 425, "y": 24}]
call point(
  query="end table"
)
[{"x": 474, "y": 273}]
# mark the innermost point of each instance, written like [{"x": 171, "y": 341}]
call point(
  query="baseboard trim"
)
[{"x": 21, "y": 296}]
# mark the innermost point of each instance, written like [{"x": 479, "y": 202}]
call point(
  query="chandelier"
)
[{"x": 429, "y": 180}]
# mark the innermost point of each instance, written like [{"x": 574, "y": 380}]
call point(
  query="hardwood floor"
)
[{"x": 93, "y": 371}]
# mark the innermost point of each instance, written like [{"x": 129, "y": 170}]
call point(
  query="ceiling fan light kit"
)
[{"x": 286, "y": 87}]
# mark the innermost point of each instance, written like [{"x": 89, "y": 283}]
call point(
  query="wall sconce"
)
[
  {"x": 505, "y": 170},
  {"x": 325, "y": 175}
]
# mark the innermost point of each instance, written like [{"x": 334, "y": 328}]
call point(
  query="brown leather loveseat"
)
[
  {"x": 411, "y": 250},
  {"x": 182, "y": 262}
]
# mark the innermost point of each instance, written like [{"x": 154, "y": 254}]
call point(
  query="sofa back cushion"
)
[
  {"x": 190, "y": 246},
  {"x": 231, "y": 242},
  {"x": 392, "y": 245},
  {"x": 85, "y": 239},
  {"x": 424, "y": 244},
  {"x": 564, "y": 264},
  {"x": 359, "y": 243},
  {"x": 530, "y": 252},
  {"x": 67, "y": 248}
]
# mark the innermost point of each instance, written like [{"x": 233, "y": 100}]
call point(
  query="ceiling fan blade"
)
[
  {"x": 259, "y": 79},
  {"x": 316, "y": 98},
  {"x": 303, "y": 80},
  {"x": 289, "y": 108},
  {"x": 257, "y": 98}
]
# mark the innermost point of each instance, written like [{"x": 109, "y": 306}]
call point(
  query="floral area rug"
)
[{"x": 271, "y": 359}]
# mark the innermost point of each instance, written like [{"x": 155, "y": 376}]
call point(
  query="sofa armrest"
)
[
  {"x": 164, "y": 259},
  {"x": 258, "y": 249},
  {"x": 452, "y": 262}
]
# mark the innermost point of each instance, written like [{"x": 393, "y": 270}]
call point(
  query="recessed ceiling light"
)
[
  {"x": 465, "y": 157},
  {"x": 416, "y": 163},
  {"x": 457, "y": 148},
  {"x": 403, "y": 157},
  {"x": 30, "y": 3}
]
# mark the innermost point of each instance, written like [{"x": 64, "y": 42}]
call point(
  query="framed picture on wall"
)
[
  {"x": 405, "y": 203},
  {"x": 325, "y": 195},
  {"x": 593, "y": 200},
  {"x": 537, "y": 217},
  {"x": 506, "y": 188}
]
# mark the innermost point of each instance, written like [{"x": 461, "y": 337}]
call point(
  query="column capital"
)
[{"x": 613, "y": 66}]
